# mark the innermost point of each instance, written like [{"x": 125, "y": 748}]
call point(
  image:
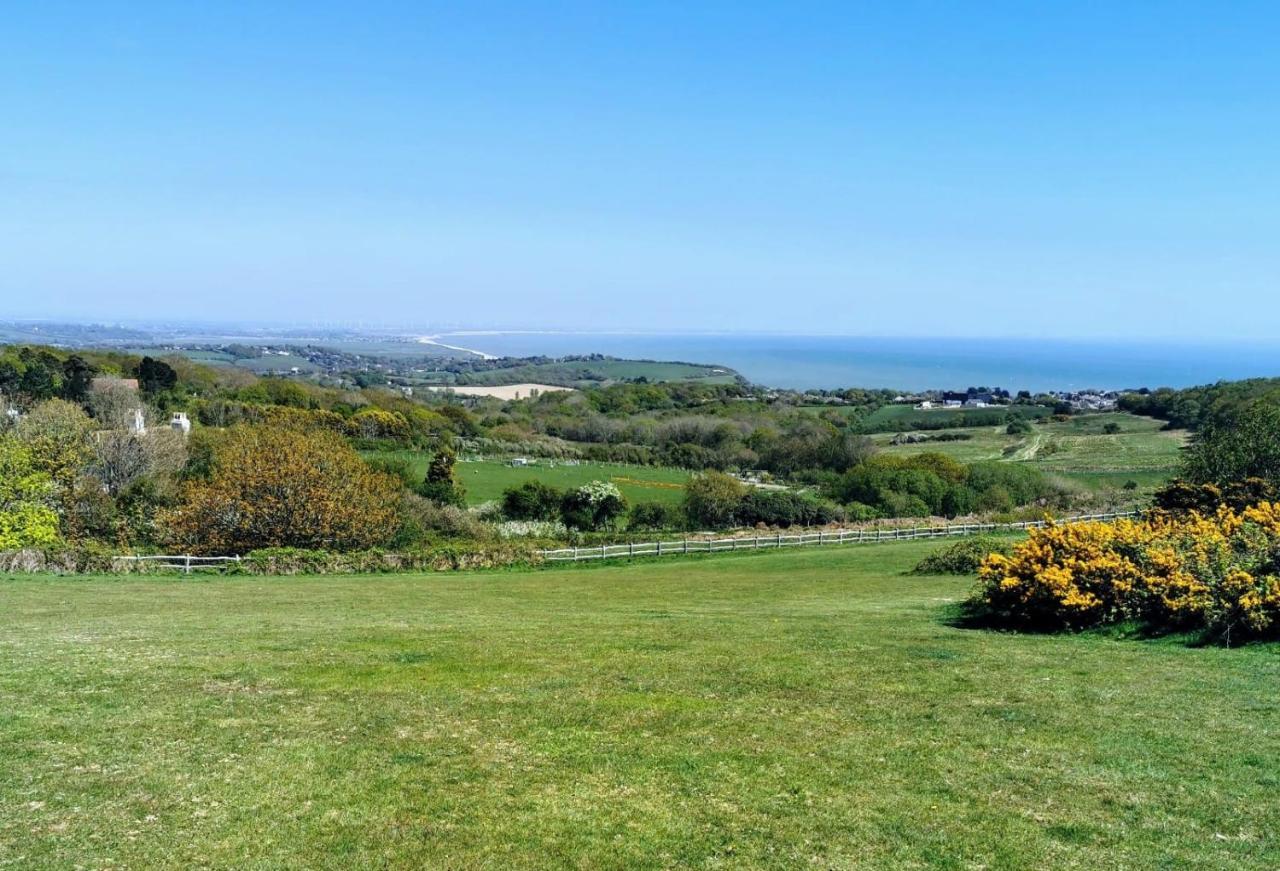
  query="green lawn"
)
[
  {"x": 778, "y": 710},
  {"x": 485, "y": 480}
]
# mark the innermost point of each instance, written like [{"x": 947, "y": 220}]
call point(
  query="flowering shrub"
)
[{"x": 1219, "y": 574}]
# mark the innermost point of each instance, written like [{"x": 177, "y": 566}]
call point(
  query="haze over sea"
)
[{"x": 802, "y": 362}]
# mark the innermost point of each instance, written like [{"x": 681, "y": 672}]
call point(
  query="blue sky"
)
[{"x": 1019, "y": 169}]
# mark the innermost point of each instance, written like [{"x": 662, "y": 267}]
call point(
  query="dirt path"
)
[{"x": 1028, "y": 451}]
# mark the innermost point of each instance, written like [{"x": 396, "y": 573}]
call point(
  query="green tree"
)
[
  {"x": 27, "y": 517},
  {"x": 441, "y": 484},
  {"x": 1246, "y": 446},
  {"x": 532, "y": 500},
  {"x": 156, "y": 376},
  {"x": 77, "y": 377},
  {"x": 712, "y": 499},
  {"x": 593, "y": 506}
]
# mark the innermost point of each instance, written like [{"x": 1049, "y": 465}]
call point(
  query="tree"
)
[
  {"x": 112, "y": 403},
  {"x": 441, "y": 485},
  {"x": 1246, "y": 446},
  {"x": 156, "y": 376},
  {"x": 119, "y": 458},
  {"x": 712, "y": 499},
  {"x": 27, "y": 517},
  {"x": 56, "y": 432},
  {"x": 595, "y": 505},
  {"x": 77, "y": 376},
  {"x": 532, "y": 500},
  {"x": 285, "y": 487}
]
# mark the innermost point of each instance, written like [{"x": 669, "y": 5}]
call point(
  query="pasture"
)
[
  {"x": 486, "y": 479},
  {"x": 804, "y": 708},
  {"x": 1078, "y": 449}
]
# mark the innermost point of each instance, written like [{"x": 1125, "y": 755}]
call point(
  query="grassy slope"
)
[
  {"x": 753, "y": 711},
  {"x": 1077, "y": 449},
  {"x": 485, "y": 481}
]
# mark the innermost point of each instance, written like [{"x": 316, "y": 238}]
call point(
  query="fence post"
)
[
  {"x": 575, "y": 553},
  {"x": 603, "y": 554},
  {"x": 188, "y": 556},
  {"x": 631, "y": 548},
  {"x": 659, "y": 547},
  {"x": 686, "y": 545}
]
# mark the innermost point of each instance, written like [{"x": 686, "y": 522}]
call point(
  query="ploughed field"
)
[{"x": 756, "y": 710}]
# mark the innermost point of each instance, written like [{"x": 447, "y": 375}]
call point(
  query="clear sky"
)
[{"x": 897, "y": 168}]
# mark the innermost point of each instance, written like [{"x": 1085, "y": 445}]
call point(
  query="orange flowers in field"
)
[{"x": 1219, "y": 574}]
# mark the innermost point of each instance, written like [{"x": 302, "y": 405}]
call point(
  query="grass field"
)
[
  {"x": 766, "y": 710},
  {"x": 485, "y": 480},
  {"x": 1078, "y": 449}
]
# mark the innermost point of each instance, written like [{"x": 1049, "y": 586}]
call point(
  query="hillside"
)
[{"x": 764, "y": 711}]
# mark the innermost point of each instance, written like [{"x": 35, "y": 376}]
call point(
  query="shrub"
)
[
  {"x": 284, "y": 487},
  {"x": 1218, "y": 574},
  {"x": 656, "y": 516},
  {"x": 440, "y": 484},
  {"x": 712, "y": 499},
  {"x": 962, "y": 558},
  {"x": 1018, "y": 427},
  {"x": 397, "y": 467},
  {"x": 593, "y": 506},
  {"x": 785, "y": 508},
  {"x": 532, "y": 500},
  {"x": 27, "y": 518}
]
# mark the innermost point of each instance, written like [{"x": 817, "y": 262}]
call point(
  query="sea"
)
[{"x": 909, "y": 364}]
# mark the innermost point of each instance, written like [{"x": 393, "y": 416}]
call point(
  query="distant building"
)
[
  {"x": 107, "y": 382},
  {"x": 138, "y": 426},
  {"x": 519, "y": 461},
  {"x": 180, "y": 422}
]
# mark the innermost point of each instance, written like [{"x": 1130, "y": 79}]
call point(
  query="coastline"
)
[{"x": 431, "y": 340}]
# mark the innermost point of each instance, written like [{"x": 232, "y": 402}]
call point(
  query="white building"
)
[{"x": 180, "y": 422}]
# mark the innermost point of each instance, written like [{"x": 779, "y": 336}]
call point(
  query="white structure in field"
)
[
  {"x": 180, "y": 422},
  {"x": 139, "y": 424}
]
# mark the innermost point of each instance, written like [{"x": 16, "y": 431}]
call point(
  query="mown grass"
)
[
  {"x": 485, "y": 480},
  {"x": 765, "y": 710}
]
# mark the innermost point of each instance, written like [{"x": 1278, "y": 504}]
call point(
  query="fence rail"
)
[
  {"x": 778, "y": 540},
  {"x": 184, "y": 562}
]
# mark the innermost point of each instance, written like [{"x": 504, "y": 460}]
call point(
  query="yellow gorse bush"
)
[{"x": 1219, "y": 574}]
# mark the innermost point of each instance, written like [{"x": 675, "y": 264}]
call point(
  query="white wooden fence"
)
[
  {"x": 185, "y": 563},
  {"x": 778, "y": 540}
]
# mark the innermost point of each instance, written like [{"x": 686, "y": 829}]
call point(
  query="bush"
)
[
  {"x": 656, "y": 516},
  {"x": 397, "y": 467},
  {"x": 785, "y": 508},
  {"x": 1219, "y": 575},
  {"x": 1018, "y": 427},
  {"x": 593, "y": 506},
  {"x": 962, "y": 558},
  {"x": 284, "y": 487},
  {"x": 712, "y": 500},
  {"x": 532, "y": 500},
  {"x": 440, "y": 484},
  {"x": 27, "y": 517}
]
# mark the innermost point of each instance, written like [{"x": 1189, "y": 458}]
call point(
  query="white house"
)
[{"x": 180, "y": 422}]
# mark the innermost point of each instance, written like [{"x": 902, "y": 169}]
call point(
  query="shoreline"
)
[{"x": 431, "y": 340}]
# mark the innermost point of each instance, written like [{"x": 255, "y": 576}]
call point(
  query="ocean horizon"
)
[{"x": 830, "y": 362}]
